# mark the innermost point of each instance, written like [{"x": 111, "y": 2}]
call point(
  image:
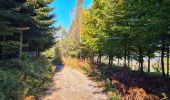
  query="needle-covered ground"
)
[{"x": 70, "y": 84}]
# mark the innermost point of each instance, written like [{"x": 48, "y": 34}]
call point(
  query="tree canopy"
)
[
  {"x": 25, "y": 25},
  {"x": 127, "y": 29}
]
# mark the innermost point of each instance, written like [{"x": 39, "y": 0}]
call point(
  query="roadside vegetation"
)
[
  {"x": 25, "y": 31},
  {"x": 24, "y": 78},
  {"x": 133, "y": 36}
]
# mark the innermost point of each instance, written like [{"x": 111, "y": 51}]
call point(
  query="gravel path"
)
[{"x": 70, "y": 84}]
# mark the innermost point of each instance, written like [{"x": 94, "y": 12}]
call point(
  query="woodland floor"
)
[
  {"x": 134, "y": 85},
  {"x": 70, "y": 84}
]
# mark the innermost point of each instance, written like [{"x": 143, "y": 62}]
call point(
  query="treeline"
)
[
  {"x": 70, "y": 44},
  {"x": 26, "y": 29},
  {"x": 25, "y": 25},
  {"x": 127, "y": 29}
]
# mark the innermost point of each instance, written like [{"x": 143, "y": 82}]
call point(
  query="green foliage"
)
[
  {"x": 54, "y": 54},
  {"x": 73, "y": 39},
  {"x": 10, "y": 47},
  {"x": 108, "y": 85},
  {"x": 115, "y": 98},
  {"x": 25, "y": 77},
  {"x": 10, "y": 86},
  {"x": 57, "y": 54},
  {"x": 49, "y": 53},
  {"x": 25, "y": 25},
  {"x": 85, "y": 68},
  {"x": 30, "y": 18},
  {"x": 128, "y": 29}
]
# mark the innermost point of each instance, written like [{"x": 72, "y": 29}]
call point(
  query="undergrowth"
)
[
  {"x": 22, "y": 78},
  {"x": 129, "y": 84}
]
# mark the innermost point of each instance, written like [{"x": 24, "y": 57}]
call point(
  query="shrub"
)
[
  {"x": 108, "y": 85},
  {"x": 115, "y": 98},
  {"x": 21, "y": 78},
  {"x": 10, "y": 86}
]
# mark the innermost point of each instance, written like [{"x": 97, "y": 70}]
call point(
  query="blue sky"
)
[{"x": 63, "y": 11}]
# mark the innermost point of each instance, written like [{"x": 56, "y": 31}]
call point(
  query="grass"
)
[{"x": 81, "y": 65}]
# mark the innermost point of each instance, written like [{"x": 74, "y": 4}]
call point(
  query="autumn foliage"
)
[{"x": 75, "y": 63}]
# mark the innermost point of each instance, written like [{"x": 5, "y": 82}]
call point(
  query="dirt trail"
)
[{"x": 70, "y": 84}]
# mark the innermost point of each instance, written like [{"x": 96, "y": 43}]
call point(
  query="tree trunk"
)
[
  {"x": 125, "y": 55},
  {"x": 131, "y": 63},
  {"x": 140, "y": 58},
  {"x": 167, "y": 61},
  {"x": 21, "y": 41},
  {"x": 128, "y": 58},
  {"x": 141, "y": 63},
  {"x": 162, "y": 59},
  {"x": 20, "y": 44},
  {"x": 99, "y": 58},
  {"x": 118, "y": 58},
  {"x": 109, "y": 60},
  {"x": 118, "y": 62},
  {"x": 37, "y": 53},
  {"x": 149, "y": 61}
]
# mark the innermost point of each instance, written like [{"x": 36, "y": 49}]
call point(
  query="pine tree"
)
[{"x": 8, "y": 15}]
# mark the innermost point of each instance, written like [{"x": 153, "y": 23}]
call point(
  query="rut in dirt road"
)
[{"x": 70, "y": 84}]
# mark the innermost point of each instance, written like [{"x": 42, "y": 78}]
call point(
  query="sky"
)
[{"x": 63, "y": 10}]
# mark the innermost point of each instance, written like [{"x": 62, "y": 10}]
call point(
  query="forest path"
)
[{"x": 70, "y": 84}]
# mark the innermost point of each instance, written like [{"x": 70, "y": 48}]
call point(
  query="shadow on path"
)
[
  {"x": 70, "y": 84},
  {"x": 58, "y": 68},
  {"x": 48, "y": 91}
]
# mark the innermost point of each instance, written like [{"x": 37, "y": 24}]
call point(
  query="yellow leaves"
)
[
  {"x": 93, "y": 24},
  {"x": 85, "y": 15},
  {"x": 121, "y": 2},
  {"x": 32, "y": 1}
]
